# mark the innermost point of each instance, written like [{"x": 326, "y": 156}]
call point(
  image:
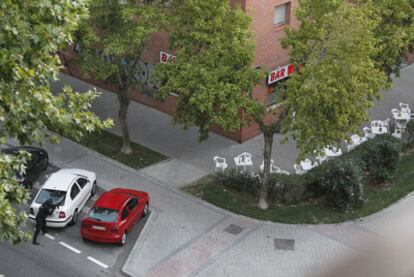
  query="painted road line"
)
[
  {"x": 49, "y": 236},
  {"x": 70, "y": 247},
  {"x": 97, "y": 262}
]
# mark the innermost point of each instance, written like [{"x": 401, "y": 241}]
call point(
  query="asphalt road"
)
[{"x": 63, "y": 252}]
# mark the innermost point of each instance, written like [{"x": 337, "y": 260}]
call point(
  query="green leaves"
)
[
  {"x": 394, "y": 31},
  {"x": 113, "y": 38},
  {"x": 338, "y": 81},
  {"x": 213, "y": 76},
  {"x": 31, "y": 34}
]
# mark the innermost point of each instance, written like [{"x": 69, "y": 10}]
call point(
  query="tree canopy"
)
[
  {"x": 112, "y": 39},
  {"x": 31, "y": 35},
  {"x": 213, "y": 75},
  {"x": 394, "y": 31},
  {"x": 338, "y": 79}
]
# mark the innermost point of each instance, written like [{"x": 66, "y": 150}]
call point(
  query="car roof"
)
[
  {"x": 112, "y": 200},
  {"x": 15, "y": 149},
  {"x": 60, "y": 181}
]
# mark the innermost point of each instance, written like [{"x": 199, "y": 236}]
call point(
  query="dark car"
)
[{"x": 39, "y": 162}]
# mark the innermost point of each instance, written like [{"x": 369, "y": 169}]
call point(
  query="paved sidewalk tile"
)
[
  {"x": 203, "y": 250},
  {"x": 174, "y": 172},
  {"x": 257, "y": 256}
]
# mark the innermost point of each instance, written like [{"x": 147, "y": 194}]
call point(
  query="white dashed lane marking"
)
[
  {"x": 70, "y": 247},
  {"x": 49, "y": 236},
  {"x": 97, "y": 262}
]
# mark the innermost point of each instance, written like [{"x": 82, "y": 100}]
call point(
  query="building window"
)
[{"x": 281, "y": 14}]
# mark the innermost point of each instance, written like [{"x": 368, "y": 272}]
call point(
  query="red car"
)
[{"x": 114, "y": 214}]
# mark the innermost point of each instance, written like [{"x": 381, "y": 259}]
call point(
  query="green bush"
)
[
  {"x": 289, "y": 189},
  {"x": 344, "y": 191},
  {"x": 380, "y": 157},
  {"x": 240, "y": 182}
]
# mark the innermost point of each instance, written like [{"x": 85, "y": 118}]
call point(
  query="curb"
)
[{"x": 137, "y": 246}]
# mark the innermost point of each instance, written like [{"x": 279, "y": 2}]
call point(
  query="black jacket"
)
[{"x": 44, "y": 211}]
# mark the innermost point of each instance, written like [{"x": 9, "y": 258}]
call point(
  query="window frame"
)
[
  {"x": 286, "y": 20},
  {"x": 79, "y": 184},
  {"x": 122, "y": 213},
  {"x": 71, "y": 189},
  {"x": 135, "y": 204}
]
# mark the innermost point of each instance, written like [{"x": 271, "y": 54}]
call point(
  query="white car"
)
[{"x": 69, "y": 189}]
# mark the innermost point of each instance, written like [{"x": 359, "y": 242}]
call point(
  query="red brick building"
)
[{"x": 269, "y": 17}]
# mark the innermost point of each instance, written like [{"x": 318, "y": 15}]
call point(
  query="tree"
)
[
  {"x": 212, "y": 75},
  {"x": 328, "y": 98},
  {"x": 112, "y": 40},
  {"x": 394, "y": 31},
  {"x": 31, "y": 34}
]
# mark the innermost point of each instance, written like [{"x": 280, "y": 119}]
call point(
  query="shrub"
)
[
  {"x": 344, "y": 191},
  {"x": 288, "y": 189},
  {"x": 240, "y": 182},
  {"x": 380, "y": 157}
]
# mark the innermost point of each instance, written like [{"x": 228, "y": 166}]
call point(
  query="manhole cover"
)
[
  {"x": 284, "y": 244},
  {"x": 233, "y": 229}
]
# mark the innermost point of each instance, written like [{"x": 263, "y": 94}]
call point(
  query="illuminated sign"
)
[{"x": 280, "y": 73}]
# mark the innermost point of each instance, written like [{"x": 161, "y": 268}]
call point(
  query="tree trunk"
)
[
  {"x": 123, "y": 111},
  {"x": 268, "y": 142}
]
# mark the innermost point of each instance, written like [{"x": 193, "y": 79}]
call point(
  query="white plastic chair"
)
[
  {"x": 321, "y": 158},
  {"x": 378, "y": 127},
  {"x": 298, "y": 169},
  {"x": 307, "y": 164},
  {"x": 284, "y": 172},
  {"x": 332, "y": 151},
  {"x": 220, "y": 164},
  {"x": 398, "y": 132},
  {"x": 368, "y": 133},
  {"x": 355, "y": 141},
  {"x": 244, "y": 160},
  {"x": 273, "y": 167},
  {"x": 399, "y": 115},
  {"x": 405, "y": 108}
]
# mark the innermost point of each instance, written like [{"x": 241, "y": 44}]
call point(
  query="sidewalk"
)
[{"x": 185, "y": 236}]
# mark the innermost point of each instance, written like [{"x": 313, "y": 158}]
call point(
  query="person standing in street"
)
[{"x": 45, "y": 210}]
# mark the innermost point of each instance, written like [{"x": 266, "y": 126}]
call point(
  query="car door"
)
[
  {"x": 133, "y": 208},
  {"x": 75, "y": 198},
  {"x": 85, "y": 190},
  {"x": 124, "y": 220},
  {"x": 33, "y": 167}
]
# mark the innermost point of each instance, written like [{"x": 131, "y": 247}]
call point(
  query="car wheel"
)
[
  {"x": 74, "y": 218},
  {"x": 93, "y": 190},
  {"x": 45, "y": 163},
  {"x": 123, "y": 239},
  {"x": 146, "y": 210}
]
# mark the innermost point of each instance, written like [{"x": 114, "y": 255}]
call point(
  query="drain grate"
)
[
  {"x": 233, "y": 229},
  {"x": 284, "y": 244}
]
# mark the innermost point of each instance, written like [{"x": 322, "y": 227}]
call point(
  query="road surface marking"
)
[
  {"x": 49, "y": 236},
  {"x": 70, "y": 247},
  {"x": 97, "y": 262}
]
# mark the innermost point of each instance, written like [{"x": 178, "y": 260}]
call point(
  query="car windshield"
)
[
  {"x": 104, "y": 215},
  {"x": 57, "y": 196}
]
